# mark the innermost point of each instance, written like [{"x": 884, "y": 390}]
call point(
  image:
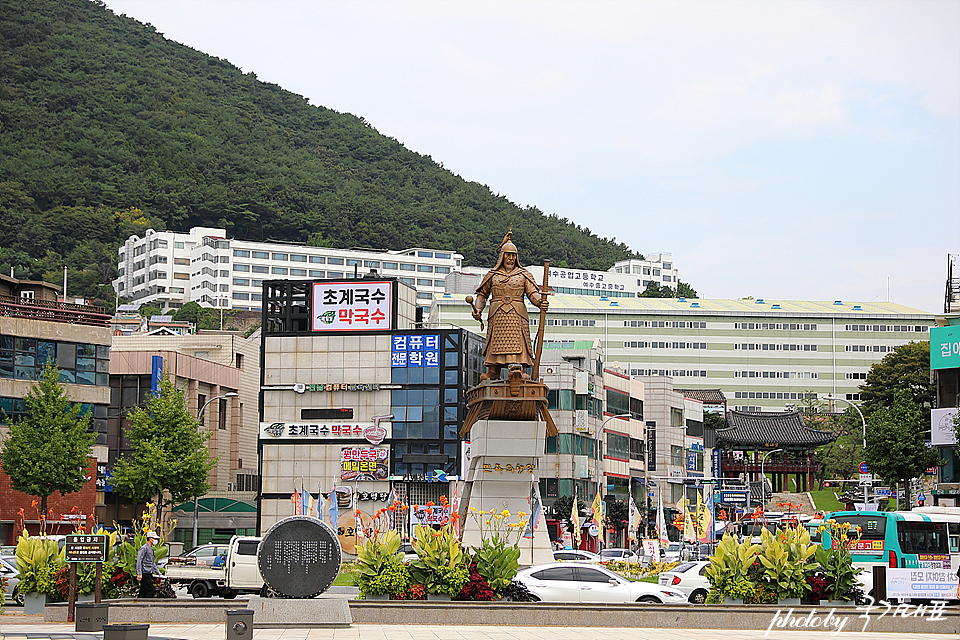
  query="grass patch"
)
[
  {"x": 650, "y": 579},
  {"x": 347, "y": 576},
  {"x": 826, "y": 500}
]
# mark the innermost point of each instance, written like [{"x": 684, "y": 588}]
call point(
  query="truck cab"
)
[{"x": 219, "y": 570}]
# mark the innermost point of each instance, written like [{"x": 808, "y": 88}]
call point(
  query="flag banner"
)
[
  {"x": 455, "y": 508},
  {"x": 689, "y": 532},
  {"x": 321, "y": 504},
  {"x": 704, "y": 518},
  {"x": 662, "y": 524},
  {"x": 536, "y": 508},
  {"x": 358, "y": 524},
  {"x": 392, "y": 500},
  {"x": 575, "y": 517},
  {"x": 334, "y": 511},
  {"x": 598, "y": 512},
  {"x": 304, "y": 501},
  {"x": 297, "y": 503},
  {"x": 634, "y": 520}
]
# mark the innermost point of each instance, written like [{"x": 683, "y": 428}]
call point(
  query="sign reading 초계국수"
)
[
  {"x": 945, "y": 347},
  {"x": 363, "y": 305}
]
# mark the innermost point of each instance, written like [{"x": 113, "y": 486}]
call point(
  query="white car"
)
[
  {"x": 576, "y": 555},
  {"x": 586, "y": 583},
  {"x": 690, "y": 578},
  {"x": 671, "y": 553},
  {"x": 622, "y": 555}
]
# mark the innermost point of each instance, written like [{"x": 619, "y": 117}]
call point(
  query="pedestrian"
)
[{"x": 147, "y": 567}]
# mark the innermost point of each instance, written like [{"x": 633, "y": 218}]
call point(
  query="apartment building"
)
[
  {"x": 764, "y": 355},
  {"x": 36, "y": 328},
  {"x": 203, "y": 265}
]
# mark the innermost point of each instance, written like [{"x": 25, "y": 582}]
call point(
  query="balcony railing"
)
[{"x": 52, "y": 311}]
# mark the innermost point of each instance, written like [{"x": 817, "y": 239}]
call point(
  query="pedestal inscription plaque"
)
[{"x": 299, "y": 557}]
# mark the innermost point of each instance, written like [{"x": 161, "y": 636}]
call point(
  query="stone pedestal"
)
[{"x": 504, "y": 460}]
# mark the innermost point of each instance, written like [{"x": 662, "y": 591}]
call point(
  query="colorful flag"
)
[
  {"x": 575, "y": 517},
  {"x": 536, "y": 508},
  {"x": 662, "y": 524},
  {"x": 634, "y": 521},
  {"x": 297, "y": 503},
  {"x": 304, "y": 501},
  {"x": 598, "y": 512},
  {"x": 319, "y": 505},
  {"x": 334, "y": 513}
]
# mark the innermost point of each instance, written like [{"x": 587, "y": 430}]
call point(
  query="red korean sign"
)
[
  {"x": 364, "y": 464},
  {"x": 357, "y": 305}
]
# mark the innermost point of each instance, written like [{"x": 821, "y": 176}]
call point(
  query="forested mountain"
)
[{"x": 107, "y": 128}]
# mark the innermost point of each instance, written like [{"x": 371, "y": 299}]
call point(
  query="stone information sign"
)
[{"x": 299, "y": 557}]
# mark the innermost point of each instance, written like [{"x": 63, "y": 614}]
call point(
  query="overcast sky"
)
[{"x": 784, "y": 150}]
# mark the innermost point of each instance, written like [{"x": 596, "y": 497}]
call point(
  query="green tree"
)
[
  {"x": 618, "y": 515},
  {"x": 561, "y": 509},
  {"x": 906, "y": 368},
  {"x": 50, "y": 448},
  {"x": 895, "y": 445},
  {"x": 684, "y": 290},
  {"x": 169, "y": 452},
  {"x": 840, "y": 458},
  {"x": 713, "y": 421}
]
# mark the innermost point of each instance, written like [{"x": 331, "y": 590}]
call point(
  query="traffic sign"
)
[
  {"x": 882, "y": 491},
  {"x": 866, "y": 476},
  {"x": 863, "y": 467},
  {"x": 866, "y": 483},
  {"x": 733, "y": 497}
]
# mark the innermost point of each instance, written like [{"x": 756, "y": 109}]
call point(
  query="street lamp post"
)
[
  {"x": 196, "y": 499},
  {"x": 863, "y": 421},
  {"x": 600, "y": 455},
  {"x": 763, "y": 479}
]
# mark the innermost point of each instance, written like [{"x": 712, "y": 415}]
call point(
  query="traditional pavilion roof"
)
[
  {"x": 708, "y": 396},
  {"x": 770, "y": 431}
]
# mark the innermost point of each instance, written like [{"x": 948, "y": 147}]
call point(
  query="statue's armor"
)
[{"x": 508, "y": 333}]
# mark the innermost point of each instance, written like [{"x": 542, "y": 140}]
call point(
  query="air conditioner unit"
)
[{"x": 229, "y": 486}]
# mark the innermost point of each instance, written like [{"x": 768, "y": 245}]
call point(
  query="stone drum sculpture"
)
[{"x": 299, "y": 557}]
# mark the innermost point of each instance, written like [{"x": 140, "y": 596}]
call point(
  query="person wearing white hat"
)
[{"x": 147, "y": 567}]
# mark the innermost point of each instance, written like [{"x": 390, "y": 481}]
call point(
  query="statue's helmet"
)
[{"x": 507, "y": 247}]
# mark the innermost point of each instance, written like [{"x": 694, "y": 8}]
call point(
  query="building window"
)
[
  {"x": 314, "y": 273},
  {"x": 407, "y": 267},
  {"x": 424, "y": 268},
  {"x": 334, "y": 260},
  {"x": 280, "y": 271},
  {"x": 241, "y": 267},
  {"x": 676, "y": 455},
  {"x": 390, "y": 265},
  {"x": 257, "y": 268},
  {"x": 302, "y": 273},
  {"x": 296, "y": 257},
  {"x": 318, "y": 260},
  {"x": 241, "y": 253},
  {"x": 279, "y": 256}
]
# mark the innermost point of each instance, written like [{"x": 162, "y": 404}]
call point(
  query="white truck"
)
[{"x": 219, "y": 570}]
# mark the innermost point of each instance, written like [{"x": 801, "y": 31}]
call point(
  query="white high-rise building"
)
[{"x": 168, "y": 269}]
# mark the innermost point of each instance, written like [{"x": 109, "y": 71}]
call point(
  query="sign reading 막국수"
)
[
  {"x": 945, "y": 347},
  {"x": 357, "y": 305}
]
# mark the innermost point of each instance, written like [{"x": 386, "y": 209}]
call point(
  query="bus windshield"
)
[{"x": 871, "y": 527}]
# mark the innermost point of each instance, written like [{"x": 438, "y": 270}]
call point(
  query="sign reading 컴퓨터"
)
[{"x": 359, "y": 305}]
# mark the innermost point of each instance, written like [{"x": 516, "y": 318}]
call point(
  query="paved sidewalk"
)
[{"x": 19, "y": 627}]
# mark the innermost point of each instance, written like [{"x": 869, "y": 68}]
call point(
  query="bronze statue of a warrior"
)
[
  {"x": 521, "y": 396},
  {"x": 508, "y": 327}
]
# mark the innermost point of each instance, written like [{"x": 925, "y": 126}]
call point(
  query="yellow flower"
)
[
  {"x": 504, "y": 513},
  {"x": 488, "y": 522}
]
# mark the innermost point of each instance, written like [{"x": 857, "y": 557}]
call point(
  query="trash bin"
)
[
  {"x": 239, "y": 624},
  {"x": 91, "y": 617},
  {"x": 125, "y": 631}
]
